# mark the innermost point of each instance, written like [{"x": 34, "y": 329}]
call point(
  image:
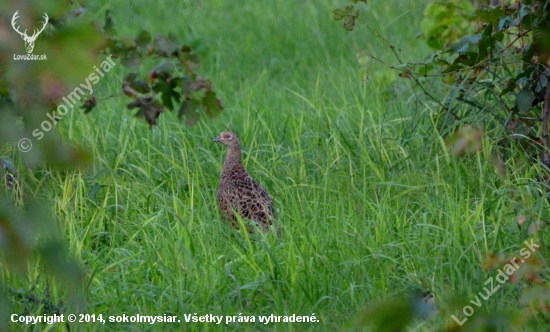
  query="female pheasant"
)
[{"x": 238, "y": 192}]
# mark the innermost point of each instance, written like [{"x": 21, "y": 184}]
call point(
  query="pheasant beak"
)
[{"x": 217, "y": 139}]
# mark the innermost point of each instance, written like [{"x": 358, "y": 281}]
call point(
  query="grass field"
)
[{"x": 372, "y": 205}]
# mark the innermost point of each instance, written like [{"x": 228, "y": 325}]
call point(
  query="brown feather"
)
[{"x": 238, "y": 191}]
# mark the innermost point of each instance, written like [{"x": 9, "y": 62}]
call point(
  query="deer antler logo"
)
[{"x": 29, "y": 41}]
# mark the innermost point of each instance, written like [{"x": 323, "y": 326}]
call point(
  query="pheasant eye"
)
[{"x": 228, "y": 137}]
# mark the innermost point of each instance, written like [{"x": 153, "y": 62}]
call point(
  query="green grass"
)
[{"x": 369, "y": 207}]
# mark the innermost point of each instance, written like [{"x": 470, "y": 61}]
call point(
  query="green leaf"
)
[
  {"x": 338, "y": 14},
  {"x": 442, "y": 62},
  {"x": 524, "y": 100},
  {"x": 504, "y": 23},
  {"x": 541, "y": 45},
  {"x": 474, "y": 39},
  {"x": 89, "y": 104},
  {"x": 349, "y": 24},
  {"x": 149, "y": 108},
  {"x": 60, "y": 155},
  {"x": 390, "y": 315},
  {"x": 525, "y": 10},
  {"x": 166, "y": 46},
  {"x": 541, "y": 83},
  {"x": 72, "y": 53},
  {"x": 188, "y": 86},
  {"x": 128, "y": 43},
  {"x": 490, "y": 15},
  {"x": 167, "y": 91},
  {"x": 188, "y": 59},
  {"x": 130, "y": 77},
  {"x": 143, "y": 39},
  {"x": 165, "y": 69},
  {"x": 58, "y": 263},
  {"x": 463, "y": 46},
  {"x": 498, "y": 36},
  {"x": 131, "y": 60},
  {"x": 211, "y": 104},
  {"x": 520, "y": 131},
  {"x": 140, "y": 86},
  {"x": 190, "y": 108},
  {"x": 109, "y": 26}
]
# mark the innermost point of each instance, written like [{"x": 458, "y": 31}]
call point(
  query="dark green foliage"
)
[
  {"x": 172, "y": 84},
  {"x": 498, "y": 71},
  {"x": 489, "y": 78},
  {"x": 348, "y": 15},
  {"x": 445, "y": 22},
  {"x": 31, "y": 95}
]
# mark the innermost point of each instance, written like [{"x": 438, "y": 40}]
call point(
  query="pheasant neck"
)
[{"x": 232, "y": 159}]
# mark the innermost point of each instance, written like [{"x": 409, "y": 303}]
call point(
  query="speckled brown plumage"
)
[
  {"x": 238, "y": 191},
  {"x": 11, "y": 180},
  {"x": 9, "y": 172}
]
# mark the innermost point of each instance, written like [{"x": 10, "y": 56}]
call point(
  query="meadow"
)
[{"x": 371, "y": 203}]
